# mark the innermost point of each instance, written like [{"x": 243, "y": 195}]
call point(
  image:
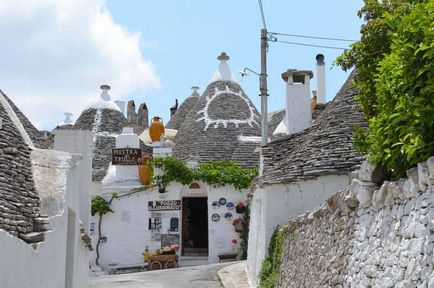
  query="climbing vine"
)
[
  {"x": 216, "y": 174},
  {"x": 101, "y": 207},
  {"x": 271, "y": 263}
]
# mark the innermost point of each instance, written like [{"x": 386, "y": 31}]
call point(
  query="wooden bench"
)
[{"x": 227, "y": 257}]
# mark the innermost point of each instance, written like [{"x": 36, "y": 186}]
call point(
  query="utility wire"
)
[
  {"x": 262, "y": 14},
  {"x": 310, "y": 45},
  {"x": 312, "y": 37}
]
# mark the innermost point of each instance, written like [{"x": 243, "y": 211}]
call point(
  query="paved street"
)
[{"x": 188, "y": 277}]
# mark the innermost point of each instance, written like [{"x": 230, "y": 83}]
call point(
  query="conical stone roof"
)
[
  {"x": 19, "y": 200},
  {"x": 106, "y": 121},
  {"x": 218, "y": 125},
  {"x": 181, "y": 114}
]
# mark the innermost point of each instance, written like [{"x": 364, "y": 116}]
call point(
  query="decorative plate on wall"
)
[
  {"x": 215, "y": 204},
  {"x": 215, "y": 217},
  {"x": 228, "y": 216},
  {"x": 230, "y": 206},
  {"x": 222, "y": 201}
]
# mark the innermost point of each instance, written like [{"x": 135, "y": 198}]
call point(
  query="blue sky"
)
[
  {"x": 56, "y": 54},
  {"x": 183, "y": 39}
]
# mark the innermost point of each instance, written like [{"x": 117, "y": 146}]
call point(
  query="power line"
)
[
  {"x": 262, "y": 14},
  {"x": 310, "y": 45},
  {"x": 312, "y": 37}
]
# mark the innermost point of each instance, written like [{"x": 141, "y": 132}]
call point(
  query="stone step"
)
[{"x": 189, "y": 261}]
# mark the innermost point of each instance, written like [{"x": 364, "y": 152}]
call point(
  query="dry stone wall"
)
[{"x": 366, "y": 236}]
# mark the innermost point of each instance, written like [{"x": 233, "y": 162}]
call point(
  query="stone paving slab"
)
[
  {"x": 235, "y": 276},
  {"x": 189, "y": 277}
]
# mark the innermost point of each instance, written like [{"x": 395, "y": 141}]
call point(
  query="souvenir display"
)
[
  {"x": 215, "y": 217},
  {"x": 228, "y": 216},
  {"x": 222, "y": 201},
  {"x": 230, "y": 206},
  {"x": 215, "y": 205}
]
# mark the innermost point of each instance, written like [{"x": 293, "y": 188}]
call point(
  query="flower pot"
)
[
  {"x": 144, "y": 174},
  {"x": 238, "y": 227},
  {"x": 156, "y": 129},
  {"x": 240, "y": 209}
]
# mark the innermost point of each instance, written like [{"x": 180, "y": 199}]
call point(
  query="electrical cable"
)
[
  {"x": 311, "y": 37},
  {"x": 262, "y": 14},
  {"x": 310, "y": 45}
]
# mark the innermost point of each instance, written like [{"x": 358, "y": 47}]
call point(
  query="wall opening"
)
[{"x": 195, "y": 226}]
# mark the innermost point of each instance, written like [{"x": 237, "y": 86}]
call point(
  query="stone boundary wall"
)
[{"x": 366, "y": 235}]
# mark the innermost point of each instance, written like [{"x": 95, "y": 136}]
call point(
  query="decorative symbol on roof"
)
[{"x": 208, "y": 120}]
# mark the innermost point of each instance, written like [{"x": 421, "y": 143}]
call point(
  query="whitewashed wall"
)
[
  {"x": 57, "y": 176},
  {"x": 273, "y": 205},
  {"x": 127, "y": 228}
]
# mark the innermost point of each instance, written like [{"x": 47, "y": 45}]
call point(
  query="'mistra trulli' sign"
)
[{"x": 126, "y": 156}]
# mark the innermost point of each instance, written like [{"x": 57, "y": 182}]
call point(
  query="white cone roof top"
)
[
  {"x": 67, "y": 120},
  {"x": 223, "y": 72},
  {"x": 104, "y": 101}
]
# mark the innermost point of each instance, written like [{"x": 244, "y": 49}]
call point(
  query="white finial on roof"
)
[
  {"x": 195, "y": 91},
  {"x": 104, "y": 101},
  {"x": 223, "y": 72},
  {"x": 104, "y": 94},
  {"x": 67, "y": 120}
]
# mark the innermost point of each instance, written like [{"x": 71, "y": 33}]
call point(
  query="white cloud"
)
[{"x": 55, "y": 54}]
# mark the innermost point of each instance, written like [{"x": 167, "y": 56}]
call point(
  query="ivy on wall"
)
[
  {"x": 271, "y": 264},
  {"x": 101, "y": 207},
  {"x": 216, "y": 174}
]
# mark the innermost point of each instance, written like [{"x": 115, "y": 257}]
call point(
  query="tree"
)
[
  {"x": 101, "y": 206},
  {"x": 394, "y": 61}
]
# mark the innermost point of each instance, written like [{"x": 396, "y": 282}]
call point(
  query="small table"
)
[{"x": 226, "y": 257}]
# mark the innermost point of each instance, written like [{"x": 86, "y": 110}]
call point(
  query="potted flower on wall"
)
[
  {"x": 234, "y": 246},
  {"x": 238, "y": 225},
  {"x": 240, "y": 208}
]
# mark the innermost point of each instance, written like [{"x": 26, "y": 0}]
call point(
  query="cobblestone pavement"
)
[{"x": 188, "y": 277}]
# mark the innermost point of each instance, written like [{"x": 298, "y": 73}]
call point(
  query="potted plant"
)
[
  {"x": 234, "y": 246},
  {"x": 238, "y": 225},
  {"x": 240, "y": 208}
]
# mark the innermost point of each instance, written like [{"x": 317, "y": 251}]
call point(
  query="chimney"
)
[
  {"x": 174, "y": 108},
  {"x": 320, "y": 81},
  {"x": 142, "y": 116},
  {"x": 121, "y": 105},
  {"x": 131, "y": 112},
  {"x": 195, "y": 91},
  {"x": 104, "y": 94},
  {"x": 298, "y": 111}
]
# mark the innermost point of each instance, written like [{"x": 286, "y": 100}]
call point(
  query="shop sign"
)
[
  {"x": 165, "y": 205},
  {"x": 126, "y": 156}
]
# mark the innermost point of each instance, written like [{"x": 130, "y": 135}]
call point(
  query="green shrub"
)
[
  {"x": 394, "y": 60},
  {"x": 271, "y": 263}
]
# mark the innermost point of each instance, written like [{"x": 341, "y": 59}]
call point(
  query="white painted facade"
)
[
  {"x": 62, "y": 259},
  {"x": 275, "y": 204},
  {"x": 126, "y": 230}
]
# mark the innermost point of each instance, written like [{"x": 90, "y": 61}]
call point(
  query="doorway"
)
[{"x": 195, "y": 226}]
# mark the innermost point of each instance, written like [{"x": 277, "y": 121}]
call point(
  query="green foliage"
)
[
  {"x": 244, "y": 235},
  {"x": 271, "y": 263},
  {"x": 394, "y": 60},
  {"x": 216, "y": 174},
  {"x": 221, "y": 173},
  {"x": 101, "y": 206}
]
